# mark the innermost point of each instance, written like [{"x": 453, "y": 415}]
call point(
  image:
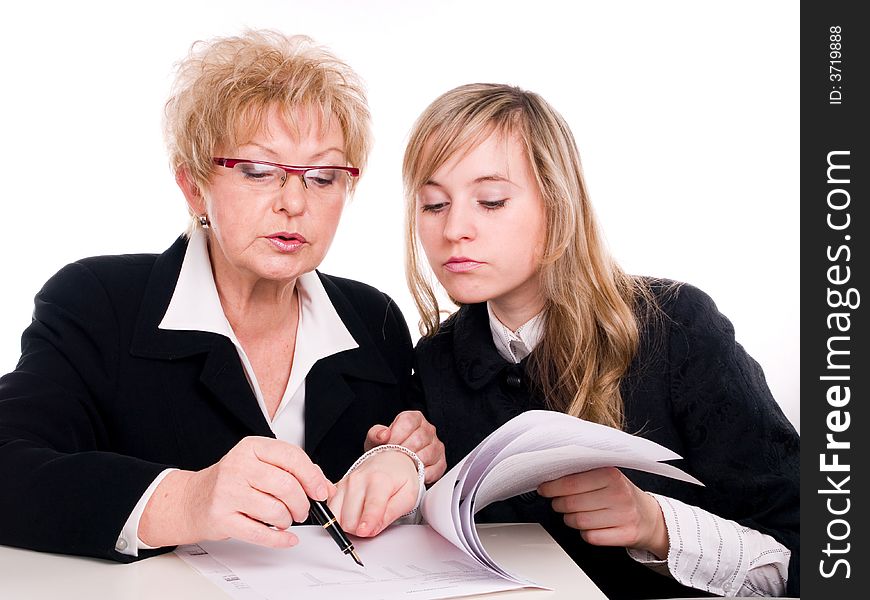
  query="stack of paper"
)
[{"x": 530, "y": 449}]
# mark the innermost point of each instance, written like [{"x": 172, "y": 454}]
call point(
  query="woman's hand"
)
[
  {"x": 260, "y": 482},
  {"x": 411, "y": 430},
  {"x": 609, "y": 510},
  {"x": 379, "y": 491}
]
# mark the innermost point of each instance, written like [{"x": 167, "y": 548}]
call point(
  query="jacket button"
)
[{"x": 513, "y": 380}]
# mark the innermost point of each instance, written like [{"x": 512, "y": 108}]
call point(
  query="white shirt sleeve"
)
[
  {"x": 128, "y": 540},
  {"x": 413, "y": 516},
  {"x": 717, "y": 555}
]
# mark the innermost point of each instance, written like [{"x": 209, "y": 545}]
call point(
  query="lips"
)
[
  {"x": 286, "y": 237},
  {"x": 286, "y": 242},
  {"x": 462, "y": 264}
]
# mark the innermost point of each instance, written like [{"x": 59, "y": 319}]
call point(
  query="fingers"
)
[
  {"x": 608, "y": 509},
  {"x": 366, "y": 496},
  {"x": 580, "y": 483},
  {"x": 282, "y": 488},
  {"x": 405, "y": 425},
  {"x": 376, "y": 436},
  {"x": 417, "y": 439},
  {"x": 383, "y": 488},
  {"x": 353, "y": 497},
  {"x": 254, "y": 532},
  {"x": 411, "y": 430},
  {"x": 434, "y": 459},
  {"x": 602, "y": 530},
  {"x": 400, "y": 504},
  {"x": 336, "y": 501},
  {"x": 378, "y": 494},
  {"x": 260, "y": 483},
  {"x": 374, "y": 501},
  {"x": 594, "y": 519},
  {"x": 295, "y": 462},
  {"x": 584, "y": 502},
  {"x": 267, "y": 509},
  {"x": 285, "y": 472}
]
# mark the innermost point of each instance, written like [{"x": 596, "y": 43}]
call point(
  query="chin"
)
[
  {"x": 284, "y": 269},
  {"x": 468, "y": 296}
]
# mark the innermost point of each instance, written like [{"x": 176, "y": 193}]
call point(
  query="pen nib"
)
[{"x": 356, "y": 559}]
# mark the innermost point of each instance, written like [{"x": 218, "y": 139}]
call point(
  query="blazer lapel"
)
[
  {"x": 222, "y": 372},
  {"x": 327, "y": 395},
  {"x": 476, "y": 358},
  {"x": 329, "y": 386},
  {"x": 225, "y": 378}
]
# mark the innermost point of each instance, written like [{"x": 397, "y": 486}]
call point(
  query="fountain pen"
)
[{"x": 324, "y": 516}]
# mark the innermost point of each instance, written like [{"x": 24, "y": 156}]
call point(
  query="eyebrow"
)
[
  {"x": 313, "y": 159},
  {"x": 494, "y": 177}
]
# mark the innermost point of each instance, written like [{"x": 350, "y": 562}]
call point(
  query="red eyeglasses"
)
[{"x": 260, "y": 175}]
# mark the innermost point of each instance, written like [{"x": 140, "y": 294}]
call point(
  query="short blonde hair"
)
[
  {"x": 225, "y": 86},
  {"x": 591, "y": 330}
]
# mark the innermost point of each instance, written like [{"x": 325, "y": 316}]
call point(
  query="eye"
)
[
  {"x": 432, "y": 199},
  {"x": 323, "y": 177},
  {"x": 433, "y": 207},
  {"x": 256, "y": 173},
  {"x": 492, "y": 204}
]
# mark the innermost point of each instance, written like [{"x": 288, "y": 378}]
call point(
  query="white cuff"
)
[
  {"x": 717, "y": 555},
  {"x": 421, "y": 470},
  {"x": 130, "y": 530},
  {"x": 653, "y": 562}
]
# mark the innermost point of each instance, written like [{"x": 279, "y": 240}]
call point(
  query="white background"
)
[{"x": 686, "y": 114}]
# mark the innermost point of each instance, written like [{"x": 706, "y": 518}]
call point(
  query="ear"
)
[{"x": 191, "y": 191}]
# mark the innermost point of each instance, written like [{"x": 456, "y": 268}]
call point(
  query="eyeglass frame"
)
[{"x": 230, "y": 163}]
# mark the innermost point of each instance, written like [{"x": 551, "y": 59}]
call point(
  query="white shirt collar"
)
[
  {"x": 195, "y": 306},
  {"x": 514, "y": 346}
]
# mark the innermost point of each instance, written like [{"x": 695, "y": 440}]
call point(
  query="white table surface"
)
[{"x": 524, "y": 548}]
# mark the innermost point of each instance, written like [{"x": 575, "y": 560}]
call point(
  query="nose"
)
[
  {"x": 459, "y": 224},
  {"x": 291, "y": 196}
]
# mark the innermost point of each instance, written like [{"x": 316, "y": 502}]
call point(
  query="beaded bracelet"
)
[{"x": 421, "y": 469}]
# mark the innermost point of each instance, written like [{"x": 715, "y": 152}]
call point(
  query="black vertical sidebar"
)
[{"x": 835, "y": 300}]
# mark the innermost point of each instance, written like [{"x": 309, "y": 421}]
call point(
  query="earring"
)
[{"x": 203, "y": 221}]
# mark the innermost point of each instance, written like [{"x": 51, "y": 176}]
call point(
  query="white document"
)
[
  {"x": 530, "y": 449},
  {"x": 405, "y": 561},
  {"x": 413, "y": 561}
]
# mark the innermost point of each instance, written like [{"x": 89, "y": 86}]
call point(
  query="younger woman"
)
[{"x": 496, "y": 199}]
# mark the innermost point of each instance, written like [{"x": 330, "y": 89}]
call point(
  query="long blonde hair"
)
[{"x": 591, "y": 332}]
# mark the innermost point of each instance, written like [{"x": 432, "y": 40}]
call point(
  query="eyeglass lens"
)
[{"x": 266, "y": 178}]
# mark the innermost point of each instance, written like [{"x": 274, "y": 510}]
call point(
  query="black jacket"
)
[
  {"x": 102, "y": 400},
  {"x": 691, "y": 388}
]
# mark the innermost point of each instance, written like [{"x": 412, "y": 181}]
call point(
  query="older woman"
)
[{"x": 209, "y": 391}]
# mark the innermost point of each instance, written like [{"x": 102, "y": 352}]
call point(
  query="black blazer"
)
[
  {"x": 102, "y": 400},
  {"x": 691, "y": 388}
]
